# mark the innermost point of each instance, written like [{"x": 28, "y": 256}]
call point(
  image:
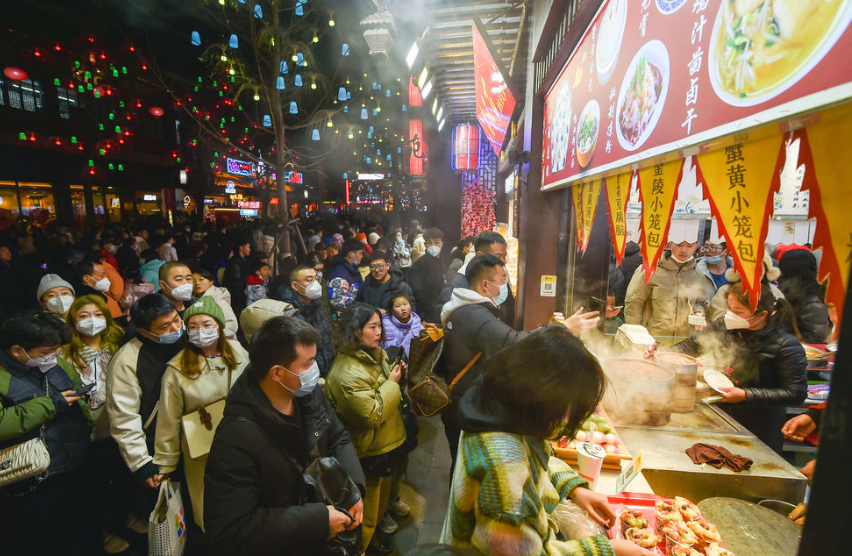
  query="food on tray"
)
[
  {"x": 707, "y": 531},
  {"x": 641, "y": 98},
  {"x": 759, "y": 45},
  {"x": 714, "y": 549},
  {"x": 688, "y": 510},
  {"x": 587, "y": 132},
  {"x": 678, "y": 532},
  {"x": 666, "y": 513},
  {"x": 642, "y": 536},
  {"x": 681, "y": 550},
  {"x": 633, "y": 519},
  {"x": 813, "y": 353}
]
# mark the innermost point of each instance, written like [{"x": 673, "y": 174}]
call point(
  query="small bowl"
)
[{"x": 778, "y": 506}]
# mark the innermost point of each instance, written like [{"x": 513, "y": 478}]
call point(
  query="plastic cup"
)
[{"x": 590, "y": 459}]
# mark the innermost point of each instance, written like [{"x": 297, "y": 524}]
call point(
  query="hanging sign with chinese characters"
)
[
  {"x": 827, "y": 179},
  {"x": 741, "y": 180},
  {"x": 577, "y": 195},
  {"x": 591, "y": 192},
  {"x": 651, "y": 77},
  {"x": 617, "y": 195},
  {"x": 657, "y": 189}
]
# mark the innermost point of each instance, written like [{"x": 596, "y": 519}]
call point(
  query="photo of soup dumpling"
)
[
  {"x": 560, "y": 128},
  {"x": 759, "y": 48}
]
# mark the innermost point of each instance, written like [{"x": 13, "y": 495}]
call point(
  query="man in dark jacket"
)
[
  {"x": 427, "y": 277},
  {"x": 304, "y": 292},
  {"x": 236, "y": 273},
  {"x": 382, "y": 283},
  {"x": 486, "y": 243},
  {"x": 473, "y": 326},
  {"x": 344, "y": 278},
  {"x": 276, "y": 423}
]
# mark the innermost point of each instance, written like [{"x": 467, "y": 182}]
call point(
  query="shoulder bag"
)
[
  {"x": 199, "y": 426},
  {"x": 27, "y": 459}
]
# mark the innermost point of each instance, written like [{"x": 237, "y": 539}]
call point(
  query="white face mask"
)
[
  {"x": 182, "y": 292},
  {"x": 736, "y": 322},
  {"x": 91, "y": 326},
  {"x": 204, "y": 337},
  {"x": 675, "y": 259},
  {"x": 433, "y": 250},
  {"x": 43, "y": 363},
  {"x": 102, "y": 285},
  {"x": 313, "y": 290},
  {"x": 60, "y": 304}
]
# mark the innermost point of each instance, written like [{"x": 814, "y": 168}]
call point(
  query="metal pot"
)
[
  {"x": 685, "y": 369},
  {"x": 641, "y": 392}
]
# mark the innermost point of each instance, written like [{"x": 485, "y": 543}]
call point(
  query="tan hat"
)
[{"x": 253, "y": 316}]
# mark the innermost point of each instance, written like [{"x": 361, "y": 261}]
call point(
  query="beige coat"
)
[
  {"x": 670, "y": 296},
  {"x": 223, "y": 298},
  {"x": 180, "y": 395}
]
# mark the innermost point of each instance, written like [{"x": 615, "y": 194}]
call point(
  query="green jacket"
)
[
  {"x": 16, "y": 420},
  {"x": 366, "y": 401}
]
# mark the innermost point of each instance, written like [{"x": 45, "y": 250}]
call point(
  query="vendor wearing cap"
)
[
  {"x": 55, "y": 294},
  {"x": 675, "y": 291}
]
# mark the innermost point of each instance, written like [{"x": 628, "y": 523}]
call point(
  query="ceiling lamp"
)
[
  {"x": 195, "y": 39},
  {"x": 421, "y": 81},
  {"x": 381, "y": 30},
  {"x": 412, "y": 55},
  {"x": 426, "y": 89}
]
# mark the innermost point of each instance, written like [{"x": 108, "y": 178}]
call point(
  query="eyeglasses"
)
[
  {"x": 378, "y": 268},
  {"x": 713, "y": 249}
]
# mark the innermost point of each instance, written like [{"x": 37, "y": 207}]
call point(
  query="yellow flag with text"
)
[
  {"x": 591, "y": 192},
  {"x": 658, "y": 185},
  {"x": 617, "y": 195}
]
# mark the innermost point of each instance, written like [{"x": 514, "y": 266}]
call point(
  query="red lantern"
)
[
  {"x": 466, "y": 138},
  {"x": 15, "y": 73},
  {"x": 156, "y": 111}
]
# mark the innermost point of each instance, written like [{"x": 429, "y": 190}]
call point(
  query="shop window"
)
[
  {"x": 113, "y": 205},
  {"x": 9, "y": 197},
  {"x": 67, "y": 100},
  {"x": 78, "y": 206},
  {"x": 35, "y": 196},
  {"x": 25, "y": 94}
]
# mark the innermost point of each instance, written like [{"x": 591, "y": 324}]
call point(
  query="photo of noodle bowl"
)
[
  {"x": 587, "y": 132},
  {"x": 560, "y": 128},
  {"x": 642, "y": 95},
  {"x": 761, "y": 48}
]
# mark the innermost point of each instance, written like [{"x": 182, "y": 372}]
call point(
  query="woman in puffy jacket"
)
[
  {"x": 767, "y": 363},
  {"x": 799, "y": 283},
  {"x": 365, "y": 394}
]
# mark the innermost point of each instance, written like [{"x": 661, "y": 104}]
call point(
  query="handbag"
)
[
  {"x": 166, "y": 524},
  {"x": 199, "y": 427},
  {"x": 25, "y": 460},
  {"x": 325, "y": 480}
]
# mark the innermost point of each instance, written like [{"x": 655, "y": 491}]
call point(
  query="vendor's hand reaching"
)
[
  {"x": 396, "y": 372},
  {"x": 732, "y": 395},
  {"x": 580, "y": 322},
  {"x": 799, "y": 427},
  {"x": 624, "y": 547},
  {"x": 652, "y": 350},
  {"x": 595, "y": 504}
]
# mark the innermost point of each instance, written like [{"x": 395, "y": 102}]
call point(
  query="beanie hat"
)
[
  {"x": 373, "y": 238},
  {"x": 206, "y": 306},
  {"x": 361, "y": 236},
  {"x": 253, "y": 316},
  {"x": 50, "y": 281}
]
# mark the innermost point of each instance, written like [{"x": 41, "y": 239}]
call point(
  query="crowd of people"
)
[{"x": 118, "y": 344}]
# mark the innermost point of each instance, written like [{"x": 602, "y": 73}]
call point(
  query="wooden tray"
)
[{"x": 611, "y": 461}]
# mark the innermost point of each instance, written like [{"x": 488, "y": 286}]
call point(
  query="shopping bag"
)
[{"x": 167, "y": 525}]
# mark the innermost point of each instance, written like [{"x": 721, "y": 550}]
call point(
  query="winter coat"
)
[
  {"x": 150, "y": 272},
  {"x": 30, "y": 399},
  {"x": 167, "y": 252},
  {"x": 223, "y": 298},
  {"x": 454, "y": 266},
  {"x": 631, "y": 261},
  {"x": 236, "y": 273},
  {"x": 507, "y": 308},
  {"x": 134, "y": 381},
  {"x": 256, "y": 289},
  {"x": 314, "y": 314},
  {"x": 505, "y": 486},
  {"x": 401, "y": 253},
  {"x": 719, "y": 303},
  {"x": 811, "y": 317},
  {"x": 94, "y": 371},
  {"x": 769, "y": 364},
  {"x": 427, "y": 280},
  {"x": 670, "y": 296},
  {"x": 181, "y": 395},
  {"x": 400, "y": 334},
  {"x": 252, "y": 503},
  {"x": 128, "y": 260},
  {"x": 379, "y": 295},
  {"x": 418, "y": 248},
  {"x": 718, "y": 280},
  {"x": 366, "y": 401},
  {"x": 116, "y": 290},
  {"x": 344, "y": 281}
]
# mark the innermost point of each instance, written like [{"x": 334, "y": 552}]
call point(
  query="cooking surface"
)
[
  {"x": 751, "y": 529},
  {"x": 704, "y": 418}
]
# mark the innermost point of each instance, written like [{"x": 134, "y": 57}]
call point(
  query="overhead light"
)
[
  {"x": 440, "y": 113},
  {"x": 423, "y": 76},
  {"x": 441, "y": 124},
  {"x": 426, "y": 90},
  {"x": 412, "y": 55},
  {"x": 435, "y": 106}
]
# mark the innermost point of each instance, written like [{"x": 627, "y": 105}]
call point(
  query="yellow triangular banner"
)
[
  {"x": 657, "y": 188},
  {"x": 591, "y": 192}
]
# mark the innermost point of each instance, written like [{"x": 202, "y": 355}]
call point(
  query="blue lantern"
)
[
  {"x": 345, "y": 109},
  {"x": 234, "y": 42},
  {"x": 280, "y": 84},
  {"x": 375, "y": 86},
  {"x": 300, "y": 59},
  {"x": 282, "y": 67},
  {"x": 403, "y": 108},
  {"x": 315, "y": 135},
  {"x": 348, "y": 95},
  {"x": 300, "y": 11},
  {"x": 346, "y": 175},
  {"x": 369, "y": 135},
  {"x": 195, "y": 39},
  {"x": 389, "y": 158},
  {"x": 369, "y": 160},
  {"x": 375, "y": 112},
  {"x": 387, "y": 93},
  {"x": 399, "y": 150},
  {"x": 341, "y": 94},
  {"x": 345, "y": 50},
  {"x": 363, "y": 113},
  {"x": 267, "y": 121},
  {"x": 294, "y": 109},
  {"x": 379, "y": 152},
  {"x": 298, "y": 80},
  {"x": 241, "y": 1},
  {"x": 371, "y": 129}
]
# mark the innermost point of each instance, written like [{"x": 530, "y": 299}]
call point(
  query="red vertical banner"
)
[
  {"x": 740, "y": 181},
  {"x": 591, "y": 193},
  {"x": 577, "y": 197},
  {"x": 827, "y": 178},
  {"x": 414, "y": 96},
  {"x": 658, "y": 185},
  {"x": 617, "y": 196},
  {"x": 418, "y": 148}
]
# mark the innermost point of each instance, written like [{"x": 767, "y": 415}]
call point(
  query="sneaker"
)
[
  {"x": 114, "y": 544},
  {"x": 398, "y": 508},
  {"x": 388, "y": 526},
  {"x": 136, "y": 525},
  {"x": 380, "y": 546}
]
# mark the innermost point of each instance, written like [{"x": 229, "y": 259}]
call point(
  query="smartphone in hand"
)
[{"x": 84, "y": 390}]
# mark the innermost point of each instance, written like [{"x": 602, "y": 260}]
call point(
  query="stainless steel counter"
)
[{"x": 670, "y": 472}]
